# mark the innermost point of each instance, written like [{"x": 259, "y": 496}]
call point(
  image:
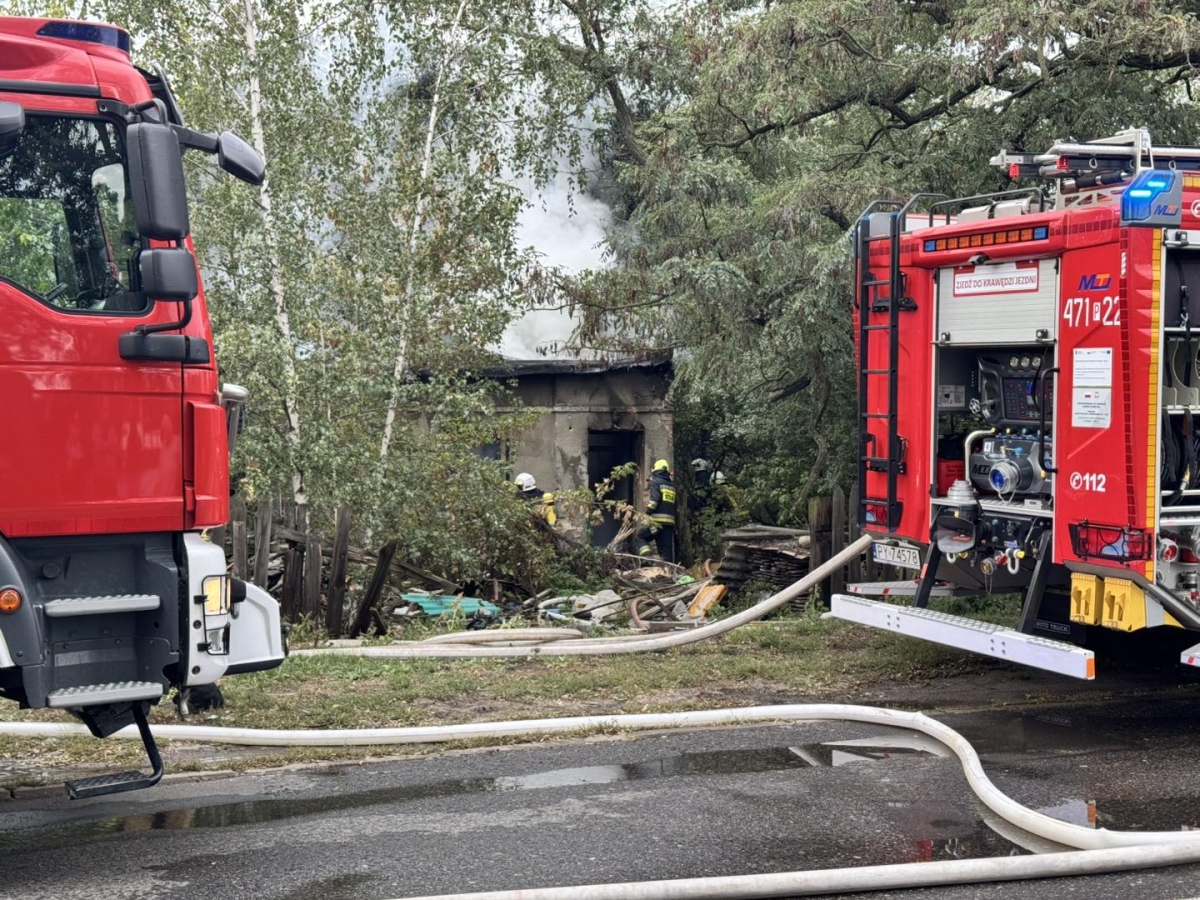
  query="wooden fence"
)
[{"x": 279, "y": 533}]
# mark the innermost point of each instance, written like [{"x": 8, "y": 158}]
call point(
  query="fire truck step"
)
[
  {"x": 119, "y": 782},
  {"x": 113, "y": 783},
  {"x": 97, "y": 606},
  {"x": 1191, "y": 656},
  {"x": 902, "y": 589},
  {"x": 967, "y": 634},
  {"x": 99, "y": 694}
]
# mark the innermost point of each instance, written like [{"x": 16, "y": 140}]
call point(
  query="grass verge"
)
[{"x": 787, "y": 660}]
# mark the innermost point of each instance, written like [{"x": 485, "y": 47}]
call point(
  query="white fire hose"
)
[
  {"x": 638, "y": 643},
  {"x": 1097, "y": 850},
  {"x": 1104, "y": 850},
  {"x": 865, "y": 878}
]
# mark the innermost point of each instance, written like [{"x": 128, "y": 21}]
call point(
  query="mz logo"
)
[
  {"x": 978, "y": 469},
  {"x": 1095, "y": 282},
  {"x": 1166, "y": 209}
]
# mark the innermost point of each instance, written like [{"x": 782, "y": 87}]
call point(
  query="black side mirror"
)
[
  {"x": 12, "y": 124},
  {"x": 239, "y": 159},
  {"x": 168, "y": 273},
  {"x": 156, "y": 182}
]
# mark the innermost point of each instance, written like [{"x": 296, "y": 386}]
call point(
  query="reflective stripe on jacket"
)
[{"x": 661, "y": 505}]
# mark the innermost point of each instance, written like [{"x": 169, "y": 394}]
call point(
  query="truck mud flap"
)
[{"x": 967, "y": 634}]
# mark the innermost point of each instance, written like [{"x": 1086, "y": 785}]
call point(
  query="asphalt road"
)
[{"x": 657, "y": 806}]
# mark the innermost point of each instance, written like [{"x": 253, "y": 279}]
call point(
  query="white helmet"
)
[
  {"x": 700, "y": 464},
  {"x": 720, "y": 478},
  {"x": 525, "y": 482}
]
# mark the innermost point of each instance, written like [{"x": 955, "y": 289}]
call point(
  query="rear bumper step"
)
[
  {"x": 100, "y": 694},
  {"x": 901, "y": 589},
  {"x": 1191, "y": 656},
  {"x": 120, "y": 782},
  {"x": 97, "y": 606},
  {"x": 967, "y": 634}
]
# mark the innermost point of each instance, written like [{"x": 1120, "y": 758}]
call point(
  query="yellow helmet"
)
[{"x": 661, "y": 465}]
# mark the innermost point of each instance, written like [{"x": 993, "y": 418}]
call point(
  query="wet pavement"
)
[{"x": 669, "y": 805}]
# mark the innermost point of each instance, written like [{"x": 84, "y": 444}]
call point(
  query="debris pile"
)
[{"x": 774, "y": 556}]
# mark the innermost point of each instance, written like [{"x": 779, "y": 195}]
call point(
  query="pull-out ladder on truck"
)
[{"x": 881, "y": 298}]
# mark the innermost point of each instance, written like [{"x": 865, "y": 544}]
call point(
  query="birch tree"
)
[{"x": 357, "y": 293}]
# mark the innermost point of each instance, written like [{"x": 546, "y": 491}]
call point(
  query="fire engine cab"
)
[
  {"x": 1029, "y": 400},
  {"x": 114, "y": 459}
]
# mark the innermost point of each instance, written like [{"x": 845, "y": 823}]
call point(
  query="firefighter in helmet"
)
[
  {"x": 541, "y": 504},
  {"x": 528, "y": 487},
  {"x": 660, "y": 506}
]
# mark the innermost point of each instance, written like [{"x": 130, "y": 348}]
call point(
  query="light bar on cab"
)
[
  {"x": 92, "y": 33},
  {"x": 988, "y": 239},
  {"x": 1155, "y": 198}
]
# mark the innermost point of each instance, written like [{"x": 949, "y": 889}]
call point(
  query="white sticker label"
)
[
  {"x": 1000, "y": 279},
  {"x": 1091, "y": 407},
  {"x": 952, "y": 396},
  {"x": 1094, "y": 366}
]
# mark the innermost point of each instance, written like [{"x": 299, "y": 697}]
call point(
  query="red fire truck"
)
[
  {"x": 1029, "y": 400},
  {"x": 115, "y": 455}
]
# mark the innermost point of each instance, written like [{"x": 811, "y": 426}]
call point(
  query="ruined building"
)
[{"x": 598, "y": 415}]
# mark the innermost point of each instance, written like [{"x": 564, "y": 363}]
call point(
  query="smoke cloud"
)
[{"x": 567, "y": 228}]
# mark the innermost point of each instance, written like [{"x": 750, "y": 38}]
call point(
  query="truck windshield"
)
[{"x": 67, "y": 232}]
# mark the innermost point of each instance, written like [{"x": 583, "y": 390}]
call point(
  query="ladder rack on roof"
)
[{"x": 1107, "y": 160}]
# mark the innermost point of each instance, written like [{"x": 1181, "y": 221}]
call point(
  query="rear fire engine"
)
[
  {"x": 117, "y": 433},
  {"x": 1029, "y": 400}
]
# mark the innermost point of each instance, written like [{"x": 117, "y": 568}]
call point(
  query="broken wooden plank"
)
[
  {"x": 293, "y": 576},
  {"x": 365, "y": 557},
  {"x": 362, "y": 618},
  {"x": 262, "y": 543},
  {"x": 337, "y": 573},
  {"x": 241, "y": 552},
  {"x": 311, "y": 602}
]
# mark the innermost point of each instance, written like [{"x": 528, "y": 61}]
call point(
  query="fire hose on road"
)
[
  {"x": 1096, "y": 850},
  {"x": 1102, "y": 850}
]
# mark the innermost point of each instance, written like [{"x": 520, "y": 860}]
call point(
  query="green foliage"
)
[
  {"x": 27, "y": 241},
  {"x": 777, "y": 124},
  {"x": 357, "y": 292}
]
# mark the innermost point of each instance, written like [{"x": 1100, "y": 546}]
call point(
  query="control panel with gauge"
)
[
  {"x": 1010, "y": 388},
  {"x": 1014, "y": 398},
  {"x": 1002, "y": 398}
]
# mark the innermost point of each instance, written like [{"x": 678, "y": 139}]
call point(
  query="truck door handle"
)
[{"x": 1044, "y": 376}]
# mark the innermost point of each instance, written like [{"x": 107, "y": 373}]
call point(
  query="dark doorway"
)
[{"x": 606, "y": 451}]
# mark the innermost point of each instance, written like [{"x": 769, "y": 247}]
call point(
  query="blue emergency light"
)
[
  {"x": 1155, "y": 197},
  {"x": 90, "y": 32}
]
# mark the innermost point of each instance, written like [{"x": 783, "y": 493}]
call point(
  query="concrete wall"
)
[{"x": 555, "y": 450}]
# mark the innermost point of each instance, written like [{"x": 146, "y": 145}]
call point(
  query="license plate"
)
[{"x": 892, "y": 555}]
